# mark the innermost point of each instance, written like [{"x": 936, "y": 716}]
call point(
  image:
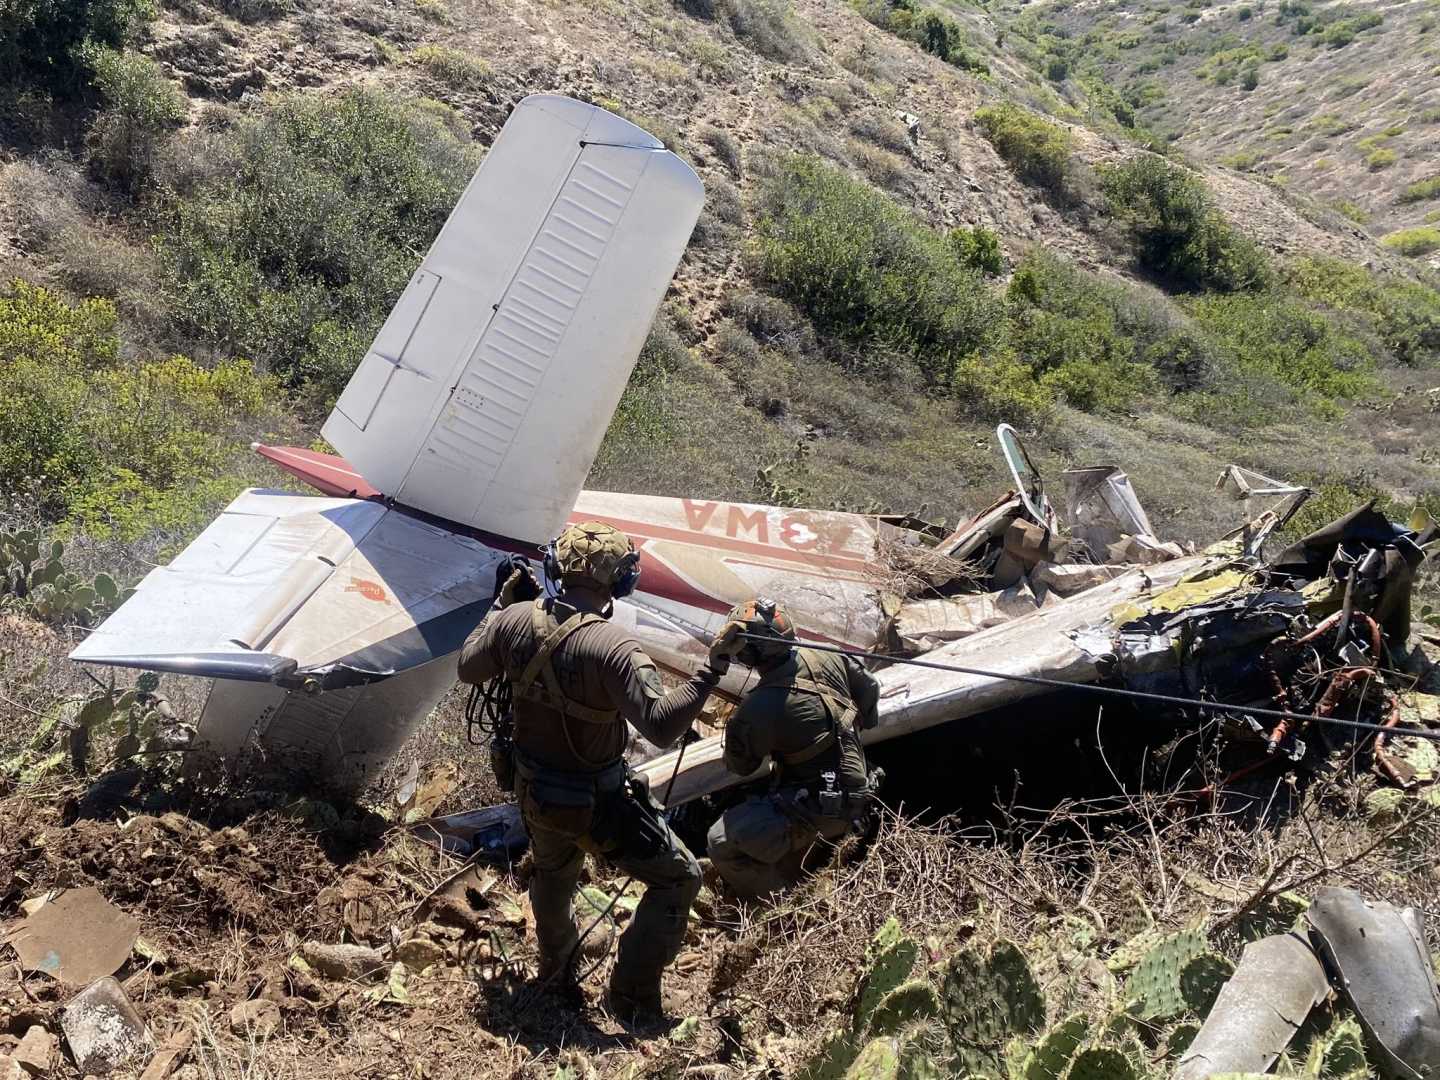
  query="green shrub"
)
[
  {"x": 1068, "y": 325},
  {"x": 1357, "y": 214},
  {"x": 41, "y": 40},
  {"x": 1417, "y": 241},
  {"x": 1038, "y": 151},
  {"x": 142, "y": 106},
  {"x": 1277, "y": 335},
  {"x": 455, "y": 68},
  {"x": 1403, "y": 314},
  {"x": 293, "y": 242},
  {"x": 869, "y": 272},
  {"x": 253, "y": 11},
  {"x": 1342, "y": 32},
  {"x": 1176, "y": 229},
  {"x": 931, "y": 29},
  {"x": 1382, "y": 158},
  {"x": 978, "y": 248},
  {"x": 113, "y": 446},
  {"x": 1422, "y": 190}
]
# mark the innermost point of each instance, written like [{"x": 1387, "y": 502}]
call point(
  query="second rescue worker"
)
[
  {"x": 576, "y": 680},
  {"x": 805, "y": 714}
]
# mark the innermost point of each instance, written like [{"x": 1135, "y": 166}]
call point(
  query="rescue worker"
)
[
  {"x": 805, "y": 714},
  {"x": 576, "y": 680}
]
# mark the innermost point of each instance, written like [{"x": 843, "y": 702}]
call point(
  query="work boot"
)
[
  {"x": 558, "y": 968},
  {"x": 636, "y": 1005}
]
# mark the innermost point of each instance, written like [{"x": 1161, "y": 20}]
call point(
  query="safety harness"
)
[
  {"x": 839, "y": 714},
  {"x": 539, "y": 684}
]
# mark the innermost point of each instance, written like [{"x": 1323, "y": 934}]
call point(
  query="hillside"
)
[
  {"x": 922, "y": 218},
  {"x": 1336, "y": 102},
  {"x": 735, "y": 87}
]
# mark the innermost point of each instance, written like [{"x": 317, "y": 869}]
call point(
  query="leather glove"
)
[
  {"x": 520, "y": 585},
  {"x": 727, "y": 644}
]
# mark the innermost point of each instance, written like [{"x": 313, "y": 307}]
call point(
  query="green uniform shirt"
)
[{"x": 778, "y": 720}]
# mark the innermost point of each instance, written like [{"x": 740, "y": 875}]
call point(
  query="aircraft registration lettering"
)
[
  {"x": 757, "y": 522},
  {"x": 795, "y": 533},
  {"x": 698, "y": 514}
]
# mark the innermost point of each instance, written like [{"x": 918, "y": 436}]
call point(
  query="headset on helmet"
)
[
  {"x": 768, "y": 619},
  {"x": 597, "y": 552}
]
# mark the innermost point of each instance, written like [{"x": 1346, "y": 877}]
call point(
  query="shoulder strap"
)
[
  {"x": 840, "y": 713},
  {"x": 551, "y": 634}
]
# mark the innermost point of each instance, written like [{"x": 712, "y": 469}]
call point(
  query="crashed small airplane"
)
[{"x": 328, "y": 624}]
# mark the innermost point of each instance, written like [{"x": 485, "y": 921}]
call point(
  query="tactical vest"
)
[
  {"x": 840, "y": 712},
  {"x": 539, "y": 685}
]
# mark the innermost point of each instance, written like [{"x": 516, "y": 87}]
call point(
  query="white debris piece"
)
[{"x": 104, "y": 1030}]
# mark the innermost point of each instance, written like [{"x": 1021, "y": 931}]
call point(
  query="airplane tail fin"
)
[{"x": 485, "y": 395}]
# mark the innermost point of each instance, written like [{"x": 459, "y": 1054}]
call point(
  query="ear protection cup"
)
[
  {"x": 627, "y": 576},
  {"x": 551, "y": 566}
]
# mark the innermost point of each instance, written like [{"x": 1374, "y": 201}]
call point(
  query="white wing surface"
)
[
  {"x": 305, "y": 591},
  {"x": 486, "y": 393}
]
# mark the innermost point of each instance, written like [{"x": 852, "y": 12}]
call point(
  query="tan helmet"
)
[
  {"x": 768, "y": 619},
  {"x": 596, "y": 554}
]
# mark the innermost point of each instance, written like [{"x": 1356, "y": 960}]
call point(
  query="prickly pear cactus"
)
[
  {"x": 1050, "y": 1057},
  {"x": 1339, "y": 1053},
  {"x": 916, "y": 1063},
  {"x": 986, "y": 1000},
  {"x": 1153, "y": 988},
  {"x": 1179, "y": 1038},
  {"x": 915, "y": 1000},
  {"x": 1202, "y": 980},
  {"x": 1102, "y": 1063},
  {"x": 834, "y": 1057},
  {"x": 890, "y": 958},
  {"x": 880, "y": 1060}
]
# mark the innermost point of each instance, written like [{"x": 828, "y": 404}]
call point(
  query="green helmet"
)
[
  {"x": 594, "y": 554},
  {"x": 768, "y": 619}
]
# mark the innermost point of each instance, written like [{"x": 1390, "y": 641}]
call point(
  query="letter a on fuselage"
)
[{"x": 485, "y": 395}]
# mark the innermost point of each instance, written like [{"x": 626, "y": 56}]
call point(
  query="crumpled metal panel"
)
[
  {"x": 1379, "y": 953},
  {"x": 1278, "y": 982}
]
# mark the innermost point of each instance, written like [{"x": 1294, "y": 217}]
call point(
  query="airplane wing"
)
[
  {"x": 485, "y": 395},
  {"x": 306, "y": 592}
]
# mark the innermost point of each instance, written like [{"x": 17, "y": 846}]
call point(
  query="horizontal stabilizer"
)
[{"x": 310, "y": 591}]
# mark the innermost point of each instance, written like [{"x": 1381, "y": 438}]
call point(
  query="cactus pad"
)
[
  {"x": 915, "y": 1000},
  {"x": 831, "y": 1061},
  {"x": 1049, "y": 1058},
  {"x": 889, "y": 967},
  {"x": 1340, "y": 1052},
  {"x": 1153, "y": 988},
  {"x": 986, "y": 1000},
  {"x": 1102, "y": 1063},
  {"x": 880, "y": 1060},
  {"x": 1202, "y": 980}
]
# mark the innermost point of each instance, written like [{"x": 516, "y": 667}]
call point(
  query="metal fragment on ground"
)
[
  {"x": 76, "y": 938},
  {"x": 103, "y": 1029},
  {"x": 1379, "y": 953},
  {"x": 1259, "y": 1009},
  {"x": 494, "y": 831}
]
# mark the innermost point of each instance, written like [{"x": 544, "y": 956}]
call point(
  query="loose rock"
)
[
  {"x": 36, "y": 1051},
  {"x": 344, "y": 961},
  {"x": 259, "y": 1017}
]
